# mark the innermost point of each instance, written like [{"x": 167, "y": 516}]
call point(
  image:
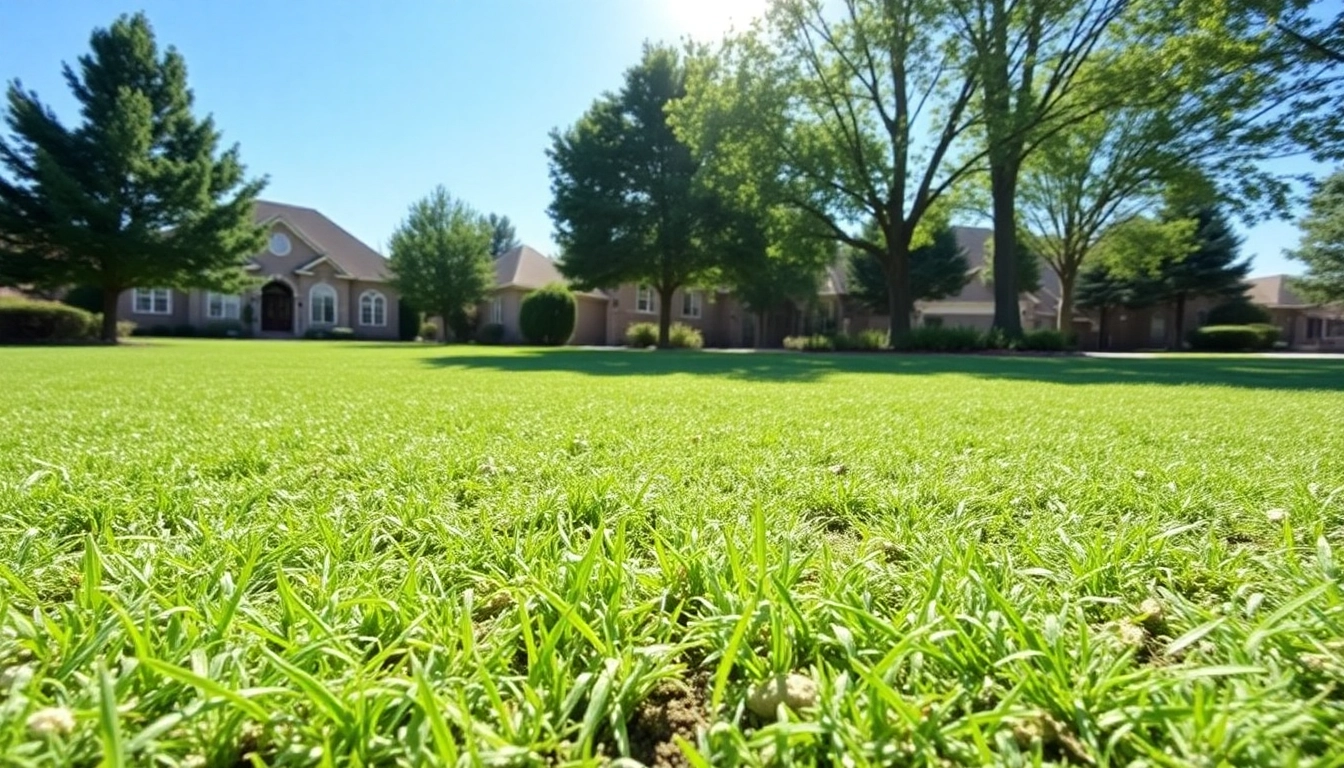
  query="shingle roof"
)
[
  {"x": 527, "y": 268},
  {"x": 345, "y": 250},
  {"x": 1275, "y": 291}
]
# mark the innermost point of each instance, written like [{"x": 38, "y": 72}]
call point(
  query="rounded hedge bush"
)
[
  {"x": 1229, "y": 338},
  {"x": 1238, "y": 312},
  {"x": 641, "y": 335},
  {"x": 547, "y": 315},
  {"x": 682, "y": 336},
  {"x": 29, "y": 321},
  {"x": 429, "y": 331}
]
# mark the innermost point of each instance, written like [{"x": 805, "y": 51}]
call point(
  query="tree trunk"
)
[
  {"x": 445, "y": 315},
  {"x": 1178, "y": 325},
  {"x": 900, "y": 303},
  {"x": 1064, "y": 322},
  {"x": 1007, "y": 306},
  {"x": 108, "y": 333},
  {"x": 1103, "y": 330},
  {"x": 664, "y": 316}
]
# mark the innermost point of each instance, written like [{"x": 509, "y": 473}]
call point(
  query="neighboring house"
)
[
  {"x": 313, "y": 275},
  {"x": 522, "y": 270},
  {"x": 1302, "y": 324}
]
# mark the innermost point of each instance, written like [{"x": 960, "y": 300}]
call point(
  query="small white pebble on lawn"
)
[
  {"x": 1276, "y": 515},
  {"x": 51, "y": 721},
  {"x": 795, "y": 691}
]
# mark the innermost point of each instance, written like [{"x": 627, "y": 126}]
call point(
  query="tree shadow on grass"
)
[{"x": 1243, "y": 372}]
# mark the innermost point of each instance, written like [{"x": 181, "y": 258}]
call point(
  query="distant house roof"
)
[
  {"x": 1275, "y": 291},
  {"x": 347, "y": 253},
  {"x": 527, "y": 268}
]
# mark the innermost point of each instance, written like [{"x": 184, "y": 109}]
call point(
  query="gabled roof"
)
[
  {"x": 1275, "y": 291},
  {"x": 527, "y": 268},
  {"x": 347, "y": 253}
]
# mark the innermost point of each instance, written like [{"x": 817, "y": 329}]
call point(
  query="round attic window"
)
[{"x": 279, "y": 244}]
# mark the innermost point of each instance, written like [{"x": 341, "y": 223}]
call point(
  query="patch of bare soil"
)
[{"x": 671, "y": 709}]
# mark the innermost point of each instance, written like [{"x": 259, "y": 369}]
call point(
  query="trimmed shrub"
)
[
  {"x": 30, "y": 321},
  {"x": 932, "y": 338},
  {"x": 547, "y": 315},
  {"x": 429, "y": 331},
  {"x": 815, "y": 343},
  {"x": 124, "y": 328},
  {"x": 682, "y": 336},
  {"x": 641, "y": 334},
  {"x": 223, "y": 329},
  {"x": 1226, "y": 338},
  {"x": 1267, "y": 335},
  {"x": 1045, "y": 341},
  {"x": 158, "y": 329},
  {"x": 490, "y": 333},
  {"x": 1238, "y": 312},
  {"x": 863, "y": 341},
  {"x": 341, "y": 333}
]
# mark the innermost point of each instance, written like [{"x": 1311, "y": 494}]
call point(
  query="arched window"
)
[
  {"x": 372, "y": 309},
  {"x": 322, "y": 304}
]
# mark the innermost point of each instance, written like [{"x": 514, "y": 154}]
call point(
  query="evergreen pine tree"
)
[
  {"x": 1211, "y": 268},
  {"x": 136, "y": 194}
]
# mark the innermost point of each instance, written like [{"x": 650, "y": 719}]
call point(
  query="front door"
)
[{"x": 277, "y": 308}]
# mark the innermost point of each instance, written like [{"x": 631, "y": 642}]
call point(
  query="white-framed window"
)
[
  {"x": 221, "y": 306},
  {"x": 279, "y": 244},
  {"x": 322, "y": 304},
  {"x": 644, "y": 300},
  {"x": 152, "y": 301},
  {"x": 497, "y": 311},
  {"x": 690, "y": 304},
  {"x": 372, "y": 308}
]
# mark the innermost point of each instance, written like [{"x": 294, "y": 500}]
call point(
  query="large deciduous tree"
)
[
  {"x": 440, "y": 256},
  {"x": 847, "y": 111},
  {"x": 1084, "y": 181},
  {"x": 1222, "y": 85},
  {"x": 627, "y": 204},
  {"x": 770, "y": 257},
  {"x": 1029, "y": 56},
  {"x": 137, "y": 194},
  {"x": 1322, "y": 244}
]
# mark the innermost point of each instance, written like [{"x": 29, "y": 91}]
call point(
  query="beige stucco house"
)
[
  {"x": 1302, "y": 324},
  {"x": 520, "y": 271},
  {"x": 312, "y": 275}
]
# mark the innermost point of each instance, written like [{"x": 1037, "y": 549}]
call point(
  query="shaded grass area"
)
[
  {"x": 405, "y": 555},
  {"x": 1230, "y": 370}
]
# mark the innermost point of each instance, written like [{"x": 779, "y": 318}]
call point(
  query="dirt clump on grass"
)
[{"x": 671, "y": 709}]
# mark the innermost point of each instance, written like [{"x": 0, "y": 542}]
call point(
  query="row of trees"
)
[{"x": 1091, "y": 133}]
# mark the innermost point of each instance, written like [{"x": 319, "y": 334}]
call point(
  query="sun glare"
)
[{"x": 708, "y": 20}]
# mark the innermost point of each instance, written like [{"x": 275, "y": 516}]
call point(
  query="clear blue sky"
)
[{"x": 357, "y": 109}]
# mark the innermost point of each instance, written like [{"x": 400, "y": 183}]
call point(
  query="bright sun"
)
[{"x": 708, "y": 20}]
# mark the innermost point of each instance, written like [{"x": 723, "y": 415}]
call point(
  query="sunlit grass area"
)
[{"x": 295, "y": 553}]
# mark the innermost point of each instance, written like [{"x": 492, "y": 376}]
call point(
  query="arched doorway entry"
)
[{"x": 277, "y": 308}]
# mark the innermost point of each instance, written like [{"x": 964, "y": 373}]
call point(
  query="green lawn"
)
[{"x": 294, "y": 553}]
